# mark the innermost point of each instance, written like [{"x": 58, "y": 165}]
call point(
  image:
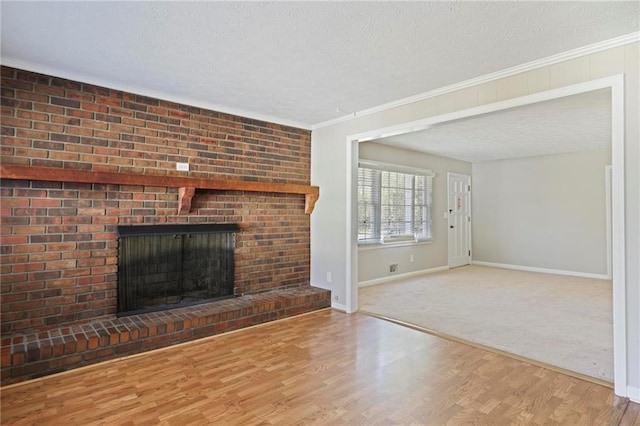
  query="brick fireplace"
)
[{"x": 59, "y": 269}]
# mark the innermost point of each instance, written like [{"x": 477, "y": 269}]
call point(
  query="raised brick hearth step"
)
[{"x": 27, "y": 356}]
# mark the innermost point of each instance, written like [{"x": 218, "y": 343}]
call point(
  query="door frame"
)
[
  {"x": 607, "y": 182},
  {"x": 616, "y": 84},
  {"x": 469, "y": 223}
]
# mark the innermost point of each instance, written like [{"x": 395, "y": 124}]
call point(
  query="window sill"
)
[{"x": 379, "y": 246}]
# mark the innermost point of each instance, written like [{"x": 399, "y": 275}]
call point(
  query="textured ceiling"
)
[
  {"x": 574, "y": 123},
  {"x": 299, "y": 63}
]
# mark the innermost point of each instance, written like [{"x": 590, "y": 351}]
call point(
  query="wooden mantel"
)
[{"x": 186, "y": 185}]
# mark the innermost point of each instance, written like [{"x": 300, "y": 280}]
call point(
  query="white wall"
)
[
  {"x": 332, "y": 158},
  {"x": 544, "y": 212},
  {"x": 373, "y": 261}
]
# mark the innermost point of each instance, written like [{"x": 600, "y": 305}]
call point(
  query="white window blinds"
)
[{"x": 394, "y": 203}]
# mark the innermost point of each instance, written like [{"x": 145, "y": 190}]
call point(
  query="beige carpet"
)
[{"x": 559, "y": 320}]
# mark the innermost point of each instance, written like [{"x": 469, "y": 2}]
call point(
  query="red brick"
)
[
  {"x": 61, "y": 246},
  {"x": 81, "y": 131},
  {"x": 58, "y": 349},
  {"x": 28, "y": 229},
  {"x": 15, "y": 202},
  {"x": 93, "y": 342},
  {"x": 62, "y": 283},
  {"x": 94, "y": 107},
  {"x": 44, "y": 312},
  {"x": 109, "y": 101},
  {"x": 99, "y": 354},
  {"x": 82, "y": 343},
  {"x": 76, "y": 254},
  {"x": 45, "y": 257},
  {"x": 45, "y": 202},
  {"x": 65, "y": 156},
  {"x": 26, "y": 305},
  {"x": 16, "y": 122},
  {"x": 60, "y": 300},
  {"x": 92, "y": 124},
  {"x": 5, "y": 356},
  {"x": 70, "y": 347},
  {"x": 218, "y": 144},
  {"x": 27, "y": 267},
  {"x": 15, "y": 259},
  {"x": 31, "y": 96},
  {"x": 114, "y": 338},
  {"x": 61, "y": 264},
  {"x": 14, "y": 297},
  {"x": 52, "y": 109},
  {"x": 18, "y": 359}
]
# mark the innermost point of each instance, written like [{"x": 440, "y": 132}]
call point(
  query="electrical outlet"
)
[
  {"x": 411, "y": 258},
  {"x": 328, "y": 277},
  {"x": 183, "y": 167},
  {"x": 336, "y": 297},
  {"x": 393, "y": 267}
]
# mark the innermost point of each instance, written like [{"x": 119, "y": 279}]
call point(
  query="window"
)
[{"x": 394, "y": 203}]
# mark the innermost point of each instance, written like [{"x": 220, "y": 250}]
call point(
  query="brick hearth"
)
[{"x": 28, "y": 356}]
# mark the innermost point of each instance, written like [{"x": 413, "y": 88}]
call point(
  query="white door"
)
[{"x": 459, "y": 213}]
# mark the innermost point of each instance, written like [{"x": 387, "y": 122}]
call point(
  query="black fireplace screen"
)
[{"x": 167, "y": 266}]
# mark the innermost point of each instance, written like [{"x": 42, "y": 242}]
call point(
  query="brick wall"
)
[{"x": 59, "y": 239}]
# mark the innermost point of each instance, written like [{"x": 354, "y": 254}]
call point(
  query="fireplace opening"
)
[{"x": 168, "y": 266}]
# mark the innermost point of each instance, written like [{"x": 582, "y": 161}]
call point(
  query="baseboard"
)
[
  {"x": 542, "y": 270},
  {"x": 401, "y": 276},
  {"x": 339, "y": 306},
  {"x": 633, "y": 393}
]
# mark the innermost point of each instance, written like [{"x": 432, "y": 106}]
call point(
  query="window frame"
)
[{"x": 374, "y": 183}]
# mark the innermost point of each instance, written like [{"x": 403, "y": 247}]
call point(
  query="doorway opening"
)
[{"x": 615, "y": 84}]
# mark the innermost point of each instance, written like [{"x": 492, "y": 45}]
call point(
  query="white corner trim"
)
[
  {"x": 542, "y": 270},
  {"x": 608, "y": 177},
  {"x": 528, "y": 66},
  {"x": 401, "y": 276},
  {"x": 633, "y": 393},
  {"x": 620, "y": 339},
  {"x": 137, "y": 90}
]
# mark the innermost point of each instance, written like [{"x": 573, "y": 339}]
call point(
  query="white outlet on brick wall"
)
[{"x": 183, "y": 167}]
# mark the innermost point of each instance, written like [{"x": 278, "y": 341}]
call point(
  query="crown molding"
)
[
  {"x": 528, "y": 66},
  {"x": 137, "y": 90},
  {"x": 550, "y": 60}
]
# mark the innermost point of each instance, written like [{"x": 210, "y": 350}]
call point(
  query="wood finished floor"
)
[{"x": 326, "y": 367}]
